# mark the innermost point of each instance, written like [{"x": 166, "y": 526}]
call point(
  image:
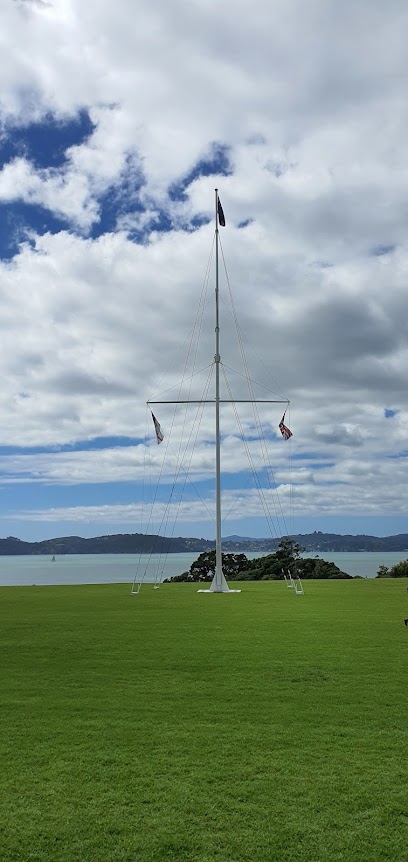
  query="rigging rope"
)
[
  {"x": 264, "y": 503},
  {"x": 250, "y": 382},
  {"x": 183, "y": 462},
  {"x": 191, "y": 357}
]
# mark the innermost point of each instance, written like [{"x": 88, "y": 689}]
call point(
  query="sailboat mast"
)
[{"x": 218, "y": 549}]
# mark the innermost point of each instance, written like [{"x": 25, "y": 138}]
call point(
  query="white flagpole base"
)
[{"x": 219, "y": 585}]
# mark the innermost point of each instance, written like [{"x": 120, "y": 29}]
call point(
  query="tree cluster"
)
[
  {"x": 400, "y": 570},
  {"x": 203, "y": 568},
  {"x": 273, "y": 567}
]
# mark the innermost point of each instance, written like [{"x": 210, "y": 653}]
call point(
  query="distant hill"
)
[
  {"x": 325, "y": 542},
  {"x": 240, "y": 539},
  {"x": 123, "y": 543},
  {"x": 331, "y": 542},
  {"x": 139, "y": 543}
]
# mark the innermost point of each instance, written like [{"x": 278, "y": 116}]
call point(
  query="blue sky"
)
[{"x": 110, "y": 150}]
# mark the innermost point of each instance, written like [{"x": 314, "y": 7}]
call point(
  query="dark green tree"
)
[
  {"x": 286, "y": 560},
  {"x": 203, "y": 568},
  {"x": 288, "y": 550},
  {"x": 272, "y": 567},
  {"x": 383, "y": 572},
  {"x": 400, "y": 570}
]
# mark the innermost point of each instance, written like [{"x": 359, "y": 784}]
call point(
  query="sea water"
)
[{"x": 122, "y": 568}]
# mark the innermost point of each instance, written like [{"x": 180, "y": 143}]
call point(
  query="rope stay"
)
[
  {"x": 181, "y": 439},
  {"x": 191, "y": 356}
]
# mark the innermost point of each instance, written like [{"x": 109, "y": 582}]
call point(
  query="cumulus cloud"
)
[
  {"x": 307, "y": 108},
  {"x": 66, "y": 194}
]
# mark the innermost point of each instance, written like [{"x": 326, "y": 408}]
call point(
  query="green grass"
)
[{"x": 204, "y": 728}]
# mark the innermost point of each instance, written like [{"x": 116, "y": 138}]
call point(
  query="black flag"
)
[{"x": 221, "y": 217}]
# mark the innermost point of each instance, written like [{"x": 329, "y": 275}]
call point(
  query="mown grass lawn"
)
[{"x": 204, "y": 728}]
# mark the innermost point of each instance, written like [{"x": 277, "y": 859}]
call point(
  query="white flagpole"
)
[{"x": 219, "y": 584}]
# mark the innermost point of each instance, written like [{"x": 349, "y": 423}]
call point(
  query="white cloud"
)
[
  {"x": 66, "y": 194},
  {"x": 310, "y": 105},
  {"x": 379, "y": 490},
  {"x": 323, "y": 88}
]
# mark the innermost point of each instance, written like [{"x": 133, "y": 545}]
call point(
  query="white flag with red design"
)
[{"x": 159, "y": 432}]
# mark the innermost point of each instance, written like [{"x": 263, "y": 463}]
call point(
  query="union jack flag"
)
[
  {"x": 285, "y": 431},
  {"x": 159, "y": 432}
]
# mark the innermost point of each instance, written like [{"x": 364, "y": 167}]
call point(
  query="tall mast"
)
[
  {"x": 219, "y": 581},
  {"x": 218, "y": 584}
]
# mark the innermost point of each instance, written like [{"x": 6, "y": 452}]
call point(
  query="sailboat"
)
[{"x": 219, "y": 583}]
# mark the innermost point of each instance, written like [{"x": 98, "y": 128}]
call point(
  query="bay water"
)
[{"x": 122, "y": 568}]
